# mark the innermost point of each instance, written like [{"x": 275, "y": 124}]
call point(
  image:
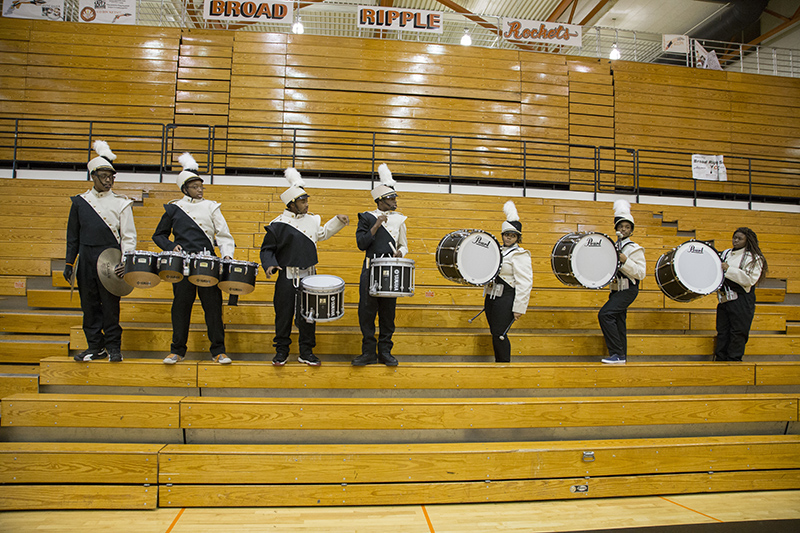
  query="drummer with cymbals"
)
[
  {"x": 624, "y": 287},
  {"x": 506, "y": 297},
  {"x": 197, "y": 225},
  {"x": 380, "y": 233},
  {"x": 289, "y": 249},
  {"x": 99, "y": 219}
]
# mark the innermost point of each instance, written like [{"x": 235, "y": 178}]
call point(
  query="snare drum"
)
[
  {"x": 585, "y": 259},
  {"x": 321, "y": 298},
  {"x": 390, "y": 277},
  {"x": 690, "y": 271},
  {"x": 170, "y": 266},
  {"x": 141, "y": 269},
  {"x": 238, "y": 277},
  {"x": 204, "y": 270},
  {"x": 469, "y": 256}
]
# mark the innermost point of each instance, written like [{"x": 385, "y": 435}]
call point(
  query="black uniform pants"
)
[
  {"x": 613, "y": 316},
  {"x": 499, "y": 314},
  {"x": 287, "y": 306},
  {"x": 734, "y": 319},
  {"x": 100, "y": 307},
  {"x": 368, "y": 308},
  {"x": 184, "y": 293}
]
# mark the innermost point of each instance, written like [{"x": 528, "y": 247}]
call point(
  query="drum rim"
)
[
  {"x": 393, "y": 261},
  {"x": 304, "y": 286}
]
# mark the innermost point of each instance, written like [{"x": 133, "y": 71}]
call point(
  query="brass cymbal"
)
[{"x": 106, "y": 263}]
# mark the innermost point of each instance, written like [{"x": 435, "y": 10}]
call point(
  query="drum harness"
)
[{"x": 621, "y": 282}]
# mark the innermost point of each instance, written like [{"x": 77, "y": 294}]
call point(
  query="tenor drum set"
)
[{"x": 145, "y": 270}]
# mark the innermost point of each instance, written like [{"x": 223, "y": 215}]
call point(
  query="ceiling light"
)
[
  {"x": 614, "y": 54},
  {"x": 466, "y": 40},
  {"x": 297, "y": 27}
]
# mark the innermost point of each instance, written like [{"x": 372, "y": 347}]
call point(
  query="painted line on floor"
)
[
  {"x": 427, "y": 518},
  {"x": 176, "y": 519},
  {"x": 688, "y": 509}
]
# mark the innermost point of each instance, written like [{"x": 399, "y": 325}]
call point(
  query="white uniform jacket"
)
[
  {"x": 516, "y": 270},
  {"x": 743, "y": 268},
  {"x": 202, "y": 218},
  {"x": 116, "y": 214},
  {"x": 291, "y": 240}
]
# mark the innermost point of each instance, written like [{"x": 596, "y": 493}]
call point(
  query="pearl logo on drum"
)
[
  {"x": 694, "y": 249},
  {"x": 480, "y": 242},
  {"x": 591, "y": 243}
]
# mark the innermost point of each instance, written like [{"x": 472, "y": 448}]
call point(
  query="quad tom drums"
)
[
  {"x": 690, "y": 271},
  {"x": 321, "y": 298},
  {"x": 469, "y": 256},
  {"x": 204, "y": 270},
  {"x": 238, "y": 277},
  {"x": 585, "y": 259},
  {"x": 171, "y": 266},
  {"x": 141, "y": 269},
  {"x": 390, "y": 277}
]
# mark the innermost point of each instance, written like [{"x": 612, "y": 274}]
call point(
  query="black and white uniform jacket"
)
[
  {"x": 391, "y": 233},
  {"x": 743, "y": 268},
  {"x": 634, "y": 268},
  {"x": 516, "y": 270},
  {"x": 100, "y": 219},
  {"x": 291, "y": 242},
  {"x": 197, "y": 225}
]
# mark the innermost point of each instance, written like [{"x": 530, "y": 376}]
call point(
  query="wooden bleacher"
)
[{"x": 447, "y": 425}]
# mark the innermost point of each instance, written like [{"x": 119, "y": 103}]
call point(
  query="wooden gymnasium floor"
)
[{"x": 757, "y": 512}]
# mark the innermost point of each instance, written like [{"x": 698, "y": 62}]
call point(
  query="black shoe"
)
[
  {"x": 365, "y": 359},
  {"x": 92, "y": 354},
  {"x": 387, "y": 359},
  {"x": 280, "y": 359},
  {"x": 114, "y": 355},
  {"x": 310, "y": 359}
]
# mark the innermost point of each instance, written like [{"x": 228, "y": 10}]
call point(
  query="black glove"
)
[{"x": 68, "y": 273}]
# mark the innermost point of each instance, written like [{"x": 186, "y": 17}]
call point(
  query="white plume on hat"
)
[
  {"x": 512, "y": 223},
  {"x": 296, "y": 186},
  {"x": 189, "y": 173},
  {"x": 622, "y": 211},
  {"x": 386, "y": 185},
  {"x": 104, "y": 157}
]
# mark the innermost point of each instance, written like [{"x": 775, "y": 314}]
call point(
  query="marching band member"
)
[
  {"x": 380, "y": 233},
  {"x": 506, "y": 298},
  {"x": 290, "y": 250},
  {"x": 99, "y": 219},
  {"x": 624, "y": 288},
  {"x": 197, "y": 225},
  {"x": 744, "y": 266}
]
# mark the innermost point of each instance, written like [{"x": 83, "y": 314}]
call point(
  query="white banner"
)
[
  {"x": 107, "y": 11},
  {"x": 34, "y": 9},
  {"x": 709, "y": 167},
  {"x": 678, "y": 44},
  {"x": 535, "y": 31},
  {"x": 397, "y": 18},
  {"x": 260, "y": 11}
]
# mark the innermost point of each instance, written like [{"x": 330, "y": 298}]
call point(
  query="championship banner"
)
[
  {"x": 34, "y": 9},
  {"x": 535, "y": 31},
  {"x": 396, "y": 18},
  {"x": 232, "y": 10},
  {"x": 709, "y": 168},
  {"x": 107, "y": 11}
]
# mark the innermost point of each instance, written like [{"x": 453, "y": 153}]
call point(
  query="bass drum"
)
[
  {"x": 469, "y": 256},
  {"x": 585, "y": 259},
  {"x": 690, "y": 271},
  {"x": 321, "y": 298}
]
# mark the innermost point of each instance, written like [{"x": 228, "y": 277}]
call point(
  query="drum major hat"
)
[
  {"x": 386, "y": 187},
  {"x": 189, "y": 172},
  {"x": 297, "y": 186},
  {"x": 512, "y": 223},
  {"x": 104, "y": 157},
  {"x": 622, "y": 212}
]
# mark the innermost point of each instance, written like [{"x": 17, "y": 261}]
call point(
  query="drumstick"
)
[
  {"x": 476, "y": 316},
  {"x": 394, "y": 250},
  {"x": 503, "y": 336}
]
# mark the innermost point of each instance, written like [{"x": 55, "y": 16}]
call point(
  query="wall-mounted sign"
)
[
  {"x": 542, "y": 32},
  {"x": 709, "y": 167},
  {"x": 395, "y": 18},
  {"x": 107, "y": 11},
  {"x": 678, "y": 44},
  {"x": 34, "y": 9},
  {"x": 250, "y": 11}
]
